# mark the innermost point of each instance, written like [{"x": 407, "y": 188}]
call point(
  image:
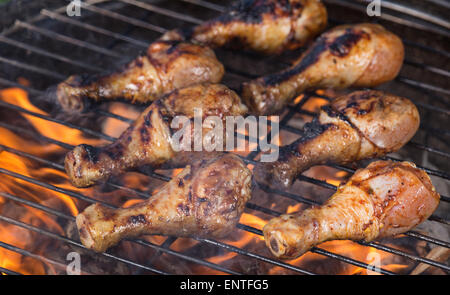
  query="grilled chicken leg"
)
[
  {"x": 165, "y": 67},
  {"x": 266, "y": 26},
  {"x": 148, "y": 140},
  {"x": 362, "y": 55},
  {"x": 204, "y": 200},
  {"x": 382, "y": 200},
  {"x": 363, "y": 124}
]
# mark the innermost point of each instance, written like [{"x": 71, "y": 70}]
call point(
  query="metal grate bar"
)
[
  {"x": 387, "y": 4},
  {"x": 220, "y": 8},
  {"x": 167, "y": 243},
  {"x": 40, "y": 95},
  {"x": 327, "y": 185},
  {"x": 163, "y": 11},
  {"x": 162, "y": 30},
  {"x": 253, "y": 255},
  {"x": 386, "y": 249},
  {"x": 256, "y": 231},
  {"x": 134, "y": 191},
  {"x": 37, "y": 50},
  {"x": 92, "y": 28},
  {"x": 123, "y": 18},
  {"x": 423, "y": 85},
  {"x": 90, "y": 200},
  {"x": 67, "y": 39},
  {"x": 429, "y": 149},
  {"x": 4, "y": 271},
  {"x": 327, "y": 253},
  {"x": 426, "y": 48},
  {"x": 31, "y": 68},
  {"x": 409, "y": 233},
  {"x": 401, "y": 79},
  {"x": 443, "y": 3},
  {"x": 13, "y": 174}
]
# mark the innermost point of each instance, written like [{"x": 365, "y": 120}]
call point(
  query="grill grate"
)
[{"x": 97, "y": 8}]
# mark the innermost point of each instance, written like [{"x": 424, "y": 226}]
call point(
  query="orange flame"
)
[{"x": 15, "y": 235}]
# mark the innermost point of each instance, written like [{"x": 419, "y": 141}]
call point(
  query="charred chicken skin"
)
[
  {"x": 148, "y": 140},
  {"x": 362, "y": 55},
  {"x": 382, "y": 200},
  {"x": 363, "y": 124},
  {"x": 166, "y": 66},
  {"x": 265, "y": 26},
  {"x": 204, "y": 200}
]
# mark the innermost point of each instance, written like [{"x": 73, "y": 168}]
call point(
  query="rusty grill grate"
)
[{"x": 156, "y": 17}]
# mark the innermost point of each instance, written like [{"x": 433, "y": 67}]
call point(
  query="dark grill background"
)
[{"x": 45, "y": 46}]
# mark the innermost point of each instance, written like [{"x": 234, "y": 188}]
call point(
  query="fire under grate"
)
[{"x": 114, "y": 46}]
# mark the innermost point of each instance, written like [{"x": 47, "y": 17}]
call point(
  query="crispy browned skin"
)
[
  {"x": 205, "y": 200},
  {"x": 147, "y": 140},
  {"x": 363, "y": 124},
  {"x": 362, "y": 55},
  {"x": 382, "y": 200},
  {"x": 167, "y": 65},
  {"x": 265, "y": 26}
]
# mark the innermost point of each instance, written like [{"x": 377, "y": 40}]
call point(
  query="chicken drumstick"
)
[
  {"x": 204, "y": 200},
  {"x": 382, "y": 200},
  {"x": 362, "y": 55},
  {"x": 148, "y": 140},
  {"x": 363, "y": 124}
]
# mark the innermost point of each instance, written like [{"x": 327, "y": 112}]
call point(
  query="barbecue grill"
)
[{"x": 43, "y": 46}]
